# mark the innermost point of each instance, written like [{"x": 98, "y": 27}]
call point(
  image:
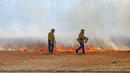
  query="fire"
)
[
  {"x": 61, "y": 49},
  {"x": 58, "y": 48},
  {"x": 21, "y": 49},
  {"x": 93, "y": 49}
]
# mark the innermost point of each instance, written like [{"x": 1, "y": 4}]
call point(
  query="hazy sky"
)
[
  {"x": 31, "y": 17},
  {"x": 35, "y": 18}
]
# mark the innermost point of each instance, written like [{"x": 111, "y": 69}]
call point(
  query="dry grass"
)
[{"x": 101, "y": 61}]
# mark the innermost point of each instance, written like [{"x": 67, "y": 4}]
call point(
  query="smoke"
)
[
  {"x": 102, "y": 20},
  {"x": 99, "y": 19},
  {"x": 124, "y": 18},
  {"x": 24, "y": 18}
]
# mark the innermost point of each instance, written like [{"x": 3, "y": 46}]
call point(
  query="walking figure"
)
[
  {"x": 51, "y": 41},
  {"x": 81, "y": 39}
]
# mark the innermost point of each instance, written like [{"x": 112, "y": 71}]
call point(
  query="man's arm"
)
[{"x": 86, "y": 39}]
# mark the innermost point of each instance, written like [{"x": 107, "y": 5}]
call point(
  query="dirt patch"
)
[{"x": 101, "y": 61}]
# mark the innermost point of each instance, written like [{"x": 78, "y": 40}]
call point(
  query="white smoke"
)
[
  {"x": 99, "y": 18},
  {"x": 124, "y": 18},
  {"x": 24, "y": 18},
  {"x": 34, "y": 18}
]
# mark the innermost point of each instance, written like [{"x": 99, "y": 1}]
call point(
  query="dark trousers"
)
[
  {"x": 81, "y": 46},
  {"x": 50, "y": 46}
]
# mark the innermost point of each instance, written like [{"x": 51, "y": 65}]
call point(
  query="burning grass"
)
[
  {"x": 38, "y": 45},
  {"x": 60, "y": 49},
  {"x": 35, "y": 58}
]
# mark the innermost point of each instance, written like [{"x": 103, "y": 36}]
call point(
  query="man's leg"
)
[
  {"x": 52, "y": 47},
  {"x": 78, "y": 48},
  {"x": 82, "y": 45},
  {"x": 49, "y": 46}
]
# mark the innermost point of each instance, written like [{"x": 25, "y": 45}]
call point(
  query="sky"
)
[{"x": 35, "y": 18}]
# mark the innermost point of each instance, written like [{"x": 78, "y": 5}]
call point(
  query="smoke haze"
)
[{"x": 102, "y": 19}]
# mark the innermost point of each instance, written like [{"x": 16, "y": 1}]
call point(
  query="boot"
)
[
  {"x": 76, "y": 50},
  {"x": 83, "y": 52}
]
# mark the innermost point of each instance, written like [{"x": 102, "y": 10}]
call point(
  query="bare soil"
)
[{"x": 37, "y": 61}]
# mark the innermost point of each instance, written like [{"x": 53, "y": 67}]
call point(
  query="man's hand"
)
[
  {"x": 86, "y": 40},
  {"x": 54, "y": 43}
]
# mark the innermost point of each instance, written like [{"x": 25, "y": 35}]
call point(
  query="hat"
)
[{"x": 82, "y": 30}]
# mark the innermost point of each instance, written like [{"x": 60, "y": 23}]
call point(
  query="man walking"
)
[
  {"x": 51, "y": 41},
  {"x": 81, "y": 39}
]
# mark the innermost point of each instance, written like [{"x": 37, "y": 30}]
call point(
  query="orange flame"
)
[
  {"x": 58, "y": 48},
  {"x": 21, "y": 49}
]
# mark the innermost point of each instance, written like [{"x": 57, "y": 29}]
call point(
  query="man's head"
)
[
  {"x": 53, "y": 30},
  {"x": 82, "y": 30}
]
